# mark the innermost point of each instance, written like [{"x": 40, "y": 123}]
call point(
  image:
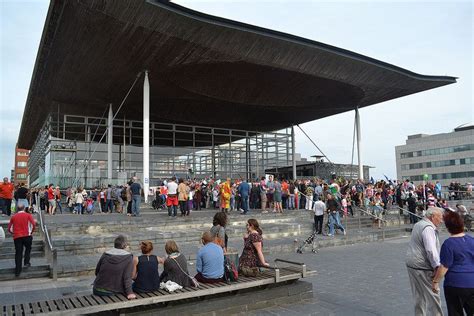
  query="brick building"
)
[{"x": 21, "y": 166}]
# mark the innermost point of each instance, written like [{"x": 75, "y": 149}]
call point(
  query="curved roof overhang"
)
[{"x": 203, "y": 70}]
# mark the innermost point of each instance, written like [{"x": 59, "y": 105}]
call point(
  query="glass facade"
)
[{"x": 72, "y": 150}]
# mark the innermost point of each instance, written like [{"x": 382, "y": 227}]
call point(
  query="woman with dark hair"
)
[
  {"x": 252, "y": 255},
  {"x": 219, "y": 223},
  {"x": 457, "y": 263},
  {"x": 145, "y": 269}
]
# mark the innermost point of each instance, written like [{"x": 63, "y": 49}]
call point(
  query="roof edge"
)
[{"x": 212, "y": 19}]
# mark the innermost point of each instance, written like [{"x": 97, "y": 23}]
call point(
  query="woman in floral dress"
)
[{"x": 252, "y": 255}]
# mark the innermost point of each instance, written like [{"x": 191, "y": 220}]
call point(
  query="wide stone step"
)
[
  {"x": 85, "y": 265},
  {"x": 39, "y": 268},
  {"x": 104, "y": 228},
  {"x": 11, "y": 254}
]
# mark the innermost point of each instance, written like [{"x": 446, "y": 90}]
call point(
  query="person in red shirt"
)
[
  {"x": 6, "y": 196},
  {"x": 21, "y": 226},
  {"x": 51, "y": 200}
]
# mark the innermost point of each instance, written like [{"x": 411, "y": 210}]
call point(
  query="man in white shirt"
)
[
  {"x": 319, "y": 207},
  {"x": 422, "y": 261},
  {"x": 172, "y": 199}
]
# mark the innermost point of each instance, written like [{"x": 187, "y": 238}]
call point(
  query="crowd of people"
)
[{"x": 119, "y": 271}]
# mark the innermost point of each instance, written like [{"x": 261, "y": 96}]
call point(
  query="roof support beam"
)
[
  {"x": 359, "y": 144},
  {"x": 146, "y": 136},
  {"x": 110, "y": 139}
]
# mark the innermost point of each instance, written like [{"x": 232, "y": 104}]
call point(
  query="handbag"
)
[
  {"x": 231, "y": 274},
  {"x": 193, "y": 279}
]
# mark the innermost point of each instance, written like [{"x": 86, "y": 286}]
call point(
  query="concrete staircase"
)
[{"x": 80, "y": 240}]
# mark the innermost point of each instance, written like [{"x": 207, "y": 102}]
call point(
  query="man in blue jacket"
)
[{"x": 244, "y": 191}]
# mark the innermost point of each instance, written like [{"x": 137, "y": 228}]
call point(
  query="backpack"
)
[
  {"x": 231, "y": 274},
  {"x": 123, "y": 194},
  {"x": 113, "y": 194}
]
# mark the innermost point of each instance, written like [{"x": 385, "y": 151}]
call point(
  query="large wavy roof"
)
[{"x": 203, "y": 70}]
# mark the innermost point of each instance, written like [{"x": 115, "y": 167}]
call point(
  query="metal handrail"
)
[
  {"x": 368, "y": 213},
  {"x": 400, "y": 208},
  {"x": 302, "y": 265},
  {"x": 50, "y": 252}
]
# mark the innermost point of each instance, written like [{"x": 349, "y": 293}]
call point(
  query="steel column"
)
[
  {"x": 293, "y": 151},
  {"x": 359, "y": 142},
  {"x": 110, "y": 139},
  {"x": 146, "y": 136}
]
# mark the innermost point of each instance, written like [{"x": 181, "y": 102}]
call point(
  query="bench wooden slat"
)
[
  {"x": 27, "y": 309},
  {"x": 9, "y": 310},
  {"x": 61, "y": 305},
  {"x": 204, "y": 285},
  {"x": 89, "y": 300},
  {"x": 122, "y": 297},
  {"x": 98, "y": 299},
  {"x": 157, "y": 293},
  {"x": 44, "y": 307},
  {"x": 18, "y": 309},
  {"x": 76, "y": 302},
  {"x": 68, "y": 303},
  {"x": 115, "y": 298},
  {"x": 163, "y": 292},
  {"x": 35, "y": 307},
  {"x": 83, "y": 301},
  {"x": 52, "y": 305},
  {"x": 107, "y": 299}
]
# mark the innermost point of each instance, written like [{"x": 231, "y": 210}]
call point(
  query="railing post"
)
[
  {"x": 383, "y": 230},
  {"x": 345, "y": 226},
  {"x": 55, "y": 265},
  {"x": 359, "y": 224}
]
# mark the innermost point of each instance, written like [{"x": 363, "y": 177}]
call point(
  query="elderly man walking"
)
[{"x": 422, "y": 261}]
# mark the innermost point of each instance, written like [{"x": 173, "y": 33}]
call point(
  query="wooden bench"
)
[{"x": 87, "y": 304}]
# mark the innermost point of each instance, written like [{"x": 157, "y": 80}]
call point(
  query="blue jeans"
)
[
  {"x": 79, "y": 208},
  {"x": 245, "y": 203},
  {"x": 109, "y": 205},
  {"x": 136, "y": 199},
  {"x": 23, "y": 202},
  {"x": 291, "y": 202},
  {"x": 334, "y": 219},
  {"x": 60, "y": 208}
]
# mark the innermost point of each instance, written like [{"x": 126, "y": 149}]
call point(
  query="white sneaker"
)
[{"x": 345, "y": 233}]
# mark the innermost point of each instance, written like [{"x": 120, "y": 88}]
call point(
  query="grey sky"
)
[{"x": 433, "y": 38}]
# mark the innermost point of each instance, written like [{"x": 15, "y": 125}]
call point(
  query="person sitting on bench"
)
[
  {"x": 252, "y": 255},
  {"x": 175, "y": 266},
  {"x": 145, "y": 269},
  {"x": 114, "y": 271},
  {"x": 209, "y": 261}
]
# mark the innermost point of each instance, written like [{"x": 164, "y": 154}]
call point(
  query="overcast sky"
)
[{"x": 431, "y": 38}]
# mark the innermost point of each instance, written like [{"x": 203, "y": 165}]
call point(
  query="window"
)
[
  {"x": 21, "y": 176},
  {"x": 21, "y": 164},
  {"x": 21, "y": 153},
  {"x": 437, "y": 151}
]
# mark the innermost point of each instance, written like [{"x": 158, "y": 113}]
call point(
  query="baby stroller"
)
[
  {"x": 310, "y": 240},
  {"x": 159, "y": 202}
]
